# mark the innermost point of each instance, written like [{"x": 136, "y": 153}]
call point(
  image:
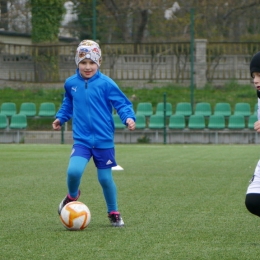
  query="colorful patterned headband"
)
[{"x": 88, "y": 49}]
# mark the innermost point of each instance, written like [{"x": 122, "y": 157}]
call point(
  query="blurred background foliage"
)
[{"x": 136, "y": 21}]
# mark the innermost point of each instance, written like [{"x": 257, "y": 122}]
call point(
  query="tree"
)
[
  {"x": 132, "y": 16},
  {"x": 46, "y": 19},
  {"x": 223, "y": 20},
  {"x": 4, "y": 14},
  {"x": 82, "y": 27}
]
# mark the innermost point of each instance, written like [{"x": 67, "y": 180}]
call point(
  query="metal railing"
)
[{"x": 149, "y": 61}]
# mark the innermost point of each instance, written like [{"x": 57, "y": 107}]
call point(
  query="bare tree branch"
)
[{"x": 242, "y": 7}]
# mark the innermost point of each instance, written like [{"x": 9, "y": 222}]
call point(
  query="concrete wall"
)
[{"x": 128, "y": 137}]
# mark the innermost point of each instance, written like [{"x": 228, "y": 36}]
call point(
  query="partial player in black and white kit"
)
[{"x": 253, "y": 191}]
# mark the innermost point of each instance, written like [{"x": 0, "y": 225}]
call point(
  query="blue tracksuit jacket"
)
[{"x": 90, "y": 103}]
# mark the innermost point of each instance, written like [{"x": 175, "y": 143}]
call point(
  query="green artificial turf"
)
[{"x": 177, "y": 201}]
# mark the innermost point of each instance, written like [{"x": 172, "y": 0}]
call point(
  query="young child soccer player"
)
[
  {"x": 253, "y": 192},
  {"x": 90, "y": 97}
]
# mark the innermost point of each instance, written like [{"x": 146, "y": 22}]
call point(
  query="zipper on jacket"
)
[{"x": 89, "y": 112}]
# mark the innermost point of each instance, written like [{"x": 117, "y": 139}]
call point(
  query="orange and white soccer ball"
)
[{"x": 75, "y": 215}]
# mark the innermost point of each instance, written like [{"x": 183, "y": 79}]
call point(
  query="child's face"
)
[
  {"x": 87, "y": 68},
  {"x": 256, "y": 76}
]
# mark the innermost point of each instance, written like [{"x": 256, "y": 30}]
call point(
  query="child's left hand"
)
[
  {"x": 130, "y": 124},
  {"x": 257, "y": 126}
]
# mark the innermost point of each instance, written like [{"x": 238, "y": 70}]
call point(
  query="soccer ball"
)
[{"x": 75, "y": 216}]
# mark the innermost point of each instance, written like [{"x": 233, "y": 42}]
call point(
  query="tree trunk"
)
[
  {"x": 142, "y": 25},
  {"x": 120, "y": 17},
  {"x": 4, "y": 15}
]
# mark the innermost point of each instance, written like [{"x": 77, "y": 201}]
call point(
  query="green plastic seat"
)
[
  {"x": 242, "y": 109},
  {"x": 183, "y": 108},
  {"x": 140, "y": 122},
  {"x": 8, "y": 108},
  {"x": 18, "y": 122},
  {"x": 3, "y": 121},
  {"x": 160, "y": 109},
  {"x": 177, "y": 122},
  {"x": 47, "y": 109},
  {"x": 223, "y": 109},
  {"x": 145, "y": 109},
  {"x": 28, "y": 109},
  {"x": 251, "y": 121},
  {"x": 203, "y": 108},
  {"x": 117, "y": 122},
  {"x": 236, "y": 122},
  {"x": 216, "y": 122},
  {"x": 196, "y": 122},
  {"x": 156, "y": 122}
]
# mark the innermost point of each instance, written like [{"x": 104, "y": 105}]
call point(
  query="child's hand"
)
[
  {"x": 56, "y": 124},
  {"x": 257, "y": 126},
  {"x": 130, "y": 124}
]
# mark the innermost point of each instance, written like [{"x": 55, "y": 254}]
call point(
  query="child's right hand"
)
[{"x": 56, "y": 124}]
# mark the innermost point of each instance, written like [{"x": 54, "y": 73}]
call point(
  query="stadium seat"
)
[
  {"x": 196, "y": 122},
  {"x": 251, "y": 121},
  {"x": 177, "y": 122},
  {"x": 160, "y": 109},
  {"x": 236, "y": 122},
  {"x": 216, "y": 122},
  {"x": 183, "y": 108},
  {"x": 242, "y": 109},
  {"x": 203, "y": 109},
  {"x": 3, "y": 121},
  {"x": 156, "y": 122},
  {"x": 140, "y": 122},
  {"x": 222, "y": 109},
  {"x": 18, "y": 122},
  {"x": 28, "y": 109},
  {"x": 145, "y": 109},
  {"x": 117, "y": 122},
  {"x": 47, "y": 110},
  {"x": 8, "y": 108}
]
